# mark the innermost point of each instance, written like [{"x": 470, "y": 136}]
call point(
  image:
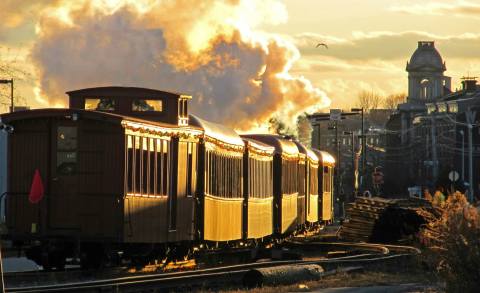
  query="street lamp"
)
[
  {"x": 9, "y": 81},
  {"x": 364, "y": 145}
]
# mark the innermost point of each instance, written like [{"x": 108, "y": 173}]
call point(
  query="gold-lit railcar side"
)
[
  {"x": 221, "y": 191},
  {"x": 325, "y": 180},
  {"x": 313, "y": 194},
  {"x": 285, "y": 181},
  {"x": 303, "y": 185},
  {"x": 160, "y": 180},
  {"x": 258, "y": 189}
]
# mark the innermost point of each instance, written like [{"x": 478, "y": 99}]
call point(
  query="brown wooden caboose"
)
[{"x": 118, "y": 167}]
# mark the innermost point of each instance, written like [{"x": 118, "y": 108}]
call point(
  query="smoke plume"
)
[{"x": 210, "y": 49}]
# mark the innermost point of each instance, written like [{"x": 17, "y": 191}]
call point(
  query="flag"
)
[{"x": 36, "y": 191}]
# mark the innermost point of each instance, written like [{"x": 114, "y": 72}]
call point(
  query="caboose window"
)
[
  {"x": 100, "y": 104},
  {"x": 142, "y": 105},
  {"x": 66, "y": 149}
]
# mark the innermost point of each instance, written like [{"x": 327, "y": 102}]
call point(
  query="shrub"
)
[{"x": 453, "y": 243}]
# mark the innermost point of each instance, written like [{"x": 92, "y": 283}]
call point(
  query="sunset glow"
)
[{"x": 256, "y": 56}]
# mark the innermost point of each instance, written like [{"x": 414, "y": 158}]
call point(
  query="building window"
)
[
  {"x": 142, "y": 105},
  {"x": 100, "y": 104}
]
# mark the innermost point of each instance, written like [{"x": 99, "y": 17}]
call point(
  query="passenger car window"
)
[
  {"x": 100, "y": 104},
  {"x": 142, "y": 105}
]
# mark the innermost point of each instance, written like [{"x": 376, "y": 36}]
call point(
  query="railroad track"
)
[{"x": 367, "y": 254}]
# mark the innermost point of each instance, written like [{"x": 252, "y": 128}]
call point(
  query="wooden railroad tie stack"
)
[{"x": 386, "y": 220}]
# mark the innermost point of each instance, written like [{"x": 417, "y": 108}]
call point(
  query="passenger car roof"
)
[
  {"x": 217, "y": 131},
  {"x": 82, "y": 114},
  {"x": 325, "y": 157},
  {"x": 281, "y": 144},
  {"x": 258, "y": 145}
]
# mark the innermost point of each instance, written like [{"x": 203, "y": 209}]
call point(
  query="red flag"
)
[{"x": 36, "y": 191}]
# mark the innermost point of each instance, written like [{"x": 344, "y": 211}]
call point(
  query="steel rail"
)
[{"x": 179, "y": 278}]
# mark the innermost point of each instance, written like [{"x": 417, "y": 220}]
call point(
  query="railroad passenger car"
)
[
  {"x": 285, "y": 181},
  {"x": 221, "y": 192},
  {"x": 309, "y": 179},
  {"x": 325, "y": 182},
  {"x": 258, "y": 189},
  {"x": 303, "y": 182},
  {"x": 313, "y": 188}
]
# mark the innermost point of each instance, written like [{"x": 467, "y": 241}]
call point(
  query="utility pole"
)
[
  {"x": 9, "y": 81},
  {"x": 434, "y": 150},
  {"x": 337, "y": 163},
  {"x": 463, "y": 155},
  {"x": 353, "y": 157},
  {"x": 364, "y": 146},
  {"x": 319, "y": 137},
  {"x": 470, "y": 117}
]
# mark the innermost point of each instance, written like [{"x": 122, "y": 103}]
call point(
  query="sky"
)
[
  {"x": 371, "y": 41},
  {"x": 254, "y": 57}
]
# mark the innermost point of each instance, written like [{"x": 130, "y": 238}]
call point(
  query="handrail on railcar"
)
[{"x": 4, "y": 194}]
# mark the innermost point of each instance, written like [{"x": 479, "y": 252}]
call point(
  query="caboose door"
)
[{"x": 62, "y": 199}]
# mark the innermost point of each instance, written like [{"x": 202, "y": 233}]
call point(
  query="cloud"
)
[
  {"x": 19, "y": 18},
  {"x": 236, "y": 76},
  {"x": 461, "y": 8},
  {"x": 388, "y": 45}
]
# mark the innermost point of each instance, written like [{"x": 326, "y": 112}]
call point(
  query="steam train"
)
[{"x": 127, "y": 171}]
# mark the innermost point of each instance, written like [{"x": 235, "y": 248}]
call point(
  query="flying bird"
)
[{"x": 321, "y": 44}]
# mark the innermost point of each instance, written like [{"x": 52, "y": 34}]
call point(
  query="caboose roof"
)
[
  {"x": 217, "y": 131},
  {"x": 121, "y": 91}
]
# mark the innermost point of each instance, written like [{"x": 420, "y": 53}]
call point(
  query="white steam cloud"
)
[{"x": 208, "y": 49}]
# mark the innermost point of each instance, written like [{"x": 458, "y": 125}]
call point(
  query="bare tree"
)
[
  {"x": 368, "y": 100},
  {"x": 391, "y": 101},
  {"x": 10, "y": 68}
]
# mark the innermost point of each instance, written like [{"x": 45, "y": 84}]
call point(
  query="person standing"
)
[
  {"x": 427, "y": 195},
  {"x": 439, "y": 197}
]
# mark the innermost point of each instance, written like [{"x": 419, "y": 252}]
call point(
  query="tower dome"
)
[
  {"x": 425, "y": 73},
  {"x": 426, "y": 58}
]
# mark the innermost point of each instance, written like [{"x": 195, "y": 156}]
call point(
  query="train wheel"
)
[
  {"x": 53, "y": 259},
  {"x": 92, "y": 256}
]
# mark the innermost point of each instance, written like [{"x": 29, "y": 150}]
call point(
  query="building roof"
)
[{"x": 426, "y": 58}]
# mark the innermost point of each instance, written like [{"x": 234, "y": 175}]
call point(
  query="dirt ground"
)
[{"x": 405, "y": 272}]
